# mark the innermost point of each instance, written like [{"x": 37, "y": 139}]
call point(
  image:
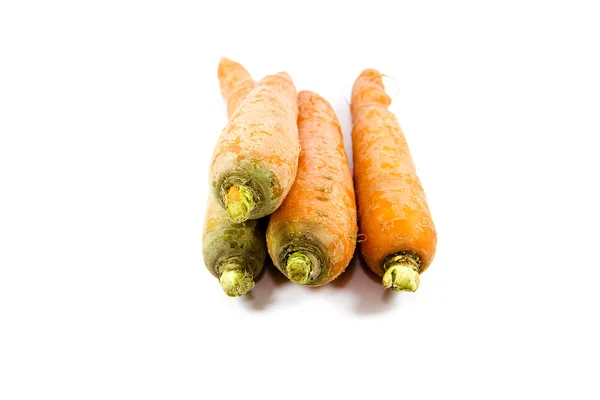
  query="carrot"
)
[
  {"x": 254, "y": 163},
  {"x": 399, "y": 236},
  {"x": 233, "y": 252},
  {"x": 312, "y": 236},
  {"x": 236, "y": 83}
]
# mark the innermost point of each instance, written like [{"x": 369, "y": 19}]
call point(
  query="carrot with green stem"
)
[
  {"x": 255, "y": 160},
  {"x": 312, "y": 236},
  {"x": 399, "y": 235},
  {"x": 233, "y": 252}
]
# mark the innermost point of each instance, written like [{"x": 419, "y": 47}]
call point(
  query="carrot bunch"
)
[{"x": 280, "y": 162}]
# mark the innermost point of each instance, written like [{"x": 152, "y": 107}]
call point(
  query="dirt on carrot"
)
[{"x": 233, "y": 252}]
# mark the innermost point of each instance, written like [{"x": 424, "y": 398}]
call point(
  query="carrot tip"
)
[
  {"x": 401, "y": 277},
  {"x": 239, "y": 203},
  {"x": 235, "y": 282},
  {"x": 299, "y": 267}
]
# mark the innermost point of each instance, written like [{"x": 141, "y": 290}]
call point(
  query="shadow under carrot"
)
[{"x": 261, "y": 296}]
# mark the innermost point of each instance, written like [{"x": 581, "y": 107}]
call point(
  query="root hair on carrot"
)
[
  {"x": 387, "y": 87},
  {"x": 361, "y": 237}
]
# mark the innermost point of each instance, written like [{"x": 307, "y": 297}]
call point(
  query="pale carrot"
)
[
  {"x": 235, "y": 82},
  {"x": 255, "y": 160},
  {"x": 312, "y": 236},
  {"x": 233, "y": 252},
  {"x": 398, "y": 235}
]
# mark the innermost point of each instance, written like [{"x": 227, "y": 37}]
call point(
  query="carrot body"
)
[
  {"x": 235, "y": 82},
  {"x": 233, "y": 252},
  {"x": 392, "y": 209},
  {"x": 254, "y": 163},
  {"x": 315, "y": 227}
]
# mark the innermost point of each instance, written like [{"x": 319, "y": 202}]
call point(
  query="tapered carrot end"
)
[
  {"x": 369, "y": 90},
  {"x": 401, "y": 277},
  {"x": 299, "y": 267},
  {"x": 371, "y": 72},
  {"x": 225, "y": 65},
  {"x": 223, "y": 62},
  {"x": 239, "y": 203},
  {"x": 306, "y": 94},
  {"x": 226, "y": 61},
  {"x": 235, "y": 282},
  {"x": 285, "y": 76}
]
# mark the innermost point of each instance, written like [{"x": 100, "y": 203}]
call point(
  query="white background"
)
[{"x": 109, "y": 111}]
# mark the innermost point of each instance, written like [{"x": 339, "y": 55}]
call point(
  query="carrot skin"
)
[
  {"x": 254, "y": 163},
  {"x": 394, "y": 219},
  {"x": 312, "y": 236},
  {"x": 235, "y": 83}
]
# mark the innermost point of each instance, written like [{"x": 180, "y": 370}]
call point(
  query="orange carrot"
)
[
  {"x": 399, "y": 236},
  {"x": 254, "y": 163},
  {"x": 236, "y": 83},
  {"x": 233, "y": 252},
  {"x": 312, "y": 236}
]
